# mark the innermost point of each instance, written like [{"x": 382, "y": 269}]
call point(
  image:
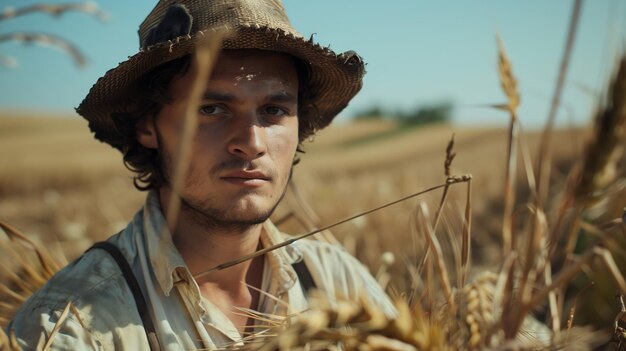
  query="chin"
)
[
  {"x": 236, "y": 219},
  {"x": 240, "y": 213},
  {"x": 250, "y": 212},
  {"x": 249, "y": 220}
]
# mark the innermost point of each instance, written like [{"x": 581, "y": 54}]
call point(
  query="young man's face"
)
[{"x": 246, "y": 139}]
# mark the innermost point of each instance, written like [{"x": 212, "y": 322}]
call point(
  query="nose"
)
[{"x": 249, "y": 140}]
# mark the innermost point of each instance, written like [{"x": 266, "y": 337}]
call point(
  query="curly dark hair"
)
[{"x": 152, "y": 94}]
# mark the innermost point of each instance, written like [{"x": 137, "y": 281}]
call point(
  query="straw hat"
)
[{"x": 173, "y": 28}]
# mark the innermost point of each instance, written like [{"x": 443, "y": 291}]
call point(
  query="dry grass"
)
[
  {"x": 27, "y": 269},
  {"x": 368, "y": 238},
  {"x": 528, "y": 257},
  {"x": 506, "y": 261},
  {"x": 58, "y": 184}
]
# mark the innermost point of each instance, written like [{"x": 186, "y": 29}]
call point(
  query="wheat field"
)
[
  {"x": 501, "y": 251},
  {"x": 66, "y": 190},
  {"x": 59, "y": 184},
  {"x": 520, "y": 243}
]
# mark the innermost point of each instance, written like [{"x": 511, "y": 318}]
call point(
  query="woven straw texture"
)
[{"x": 256, "y": 24}]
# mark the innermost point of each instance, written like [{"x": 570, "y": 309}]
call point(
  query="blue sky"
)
[{"x": 417, "y": 52}]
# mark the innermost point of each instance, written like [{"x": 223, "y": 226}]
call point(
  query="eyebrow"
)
[
  {"x": 280, "y": 97},
  {"x": 218, "y": 96},
  {"x": 283, "y": 97}
]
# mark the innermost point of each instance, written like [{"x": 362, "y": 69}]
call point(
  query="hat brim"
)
[{"x": 334, "y": 79}]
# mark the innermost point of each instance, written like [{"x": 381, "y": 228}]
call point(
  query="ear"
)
[{"x": 146, "y": 133}]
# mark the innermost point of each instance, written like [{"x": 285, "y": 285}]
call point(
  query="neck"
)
[{"x": 204, "y": 246}]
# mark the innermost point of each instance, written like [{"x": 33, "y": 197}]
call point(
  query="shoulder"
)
[
  {"x": 94, "y": 285},
  {"x": 75, "y": 282},
  {"x": 327, "y": 254},
  {"x": 341, "y": 274}
]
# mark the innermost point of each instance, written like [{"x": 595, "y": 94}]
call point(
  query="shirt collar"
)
[
  {"x": 280, "y": 260},
  {"x": 163, "y": 255},
  {"x": 167, "y": 261}
]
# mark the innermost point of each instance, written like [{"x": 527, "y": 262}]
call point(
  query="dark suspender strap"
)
[
  {"x": 304, "y": 276},
  {"x": 131, "y": 280}
]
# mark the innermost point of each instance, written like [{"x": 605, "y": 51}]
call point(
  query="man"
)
[{"x": 268, "y": 91}]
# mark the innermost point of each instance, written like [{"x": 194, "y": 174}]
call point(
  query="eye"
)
[
  {"x": 211, "y": 110},
  {"x": 275, "y": 111}
]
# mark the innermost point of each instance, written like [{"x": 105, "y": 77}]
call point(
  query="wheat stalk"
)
[
  {"x": 47, "y": 40},
  {"x": 451, "y": 180},
  {"x": 435, "y": 248},
  {"x": 23, "y": 275},
  {"x": 545, "y": 149},
  {"x": 8, "y": 342},
  {"x": 466, "y": 237},
  {"x": 605, "y": 150},
  {"x": 88, "y": 7},
  {"x": 508, "y": 82},
  {"x": 450, "y": 155},
  {"x": 69, "y": 308},
  {"x": 205, "y": 57}
]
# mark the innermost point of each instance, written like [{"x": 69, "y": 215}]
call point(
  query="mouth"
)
[{"x": 246, "y": 178}]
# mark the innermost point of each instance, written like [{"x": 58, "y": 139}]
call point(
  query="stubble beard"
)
[
  {"x": 204, "y": 212},
  {"x": 216, "y": 219}
]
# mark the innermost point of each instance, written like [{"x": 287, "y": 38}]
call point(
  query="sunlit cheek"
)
[{"x": 284, "y": 141}]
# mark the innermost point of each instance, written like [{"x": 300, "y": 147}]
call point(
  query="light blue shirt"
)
[{"x": 107, "y": 317}]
